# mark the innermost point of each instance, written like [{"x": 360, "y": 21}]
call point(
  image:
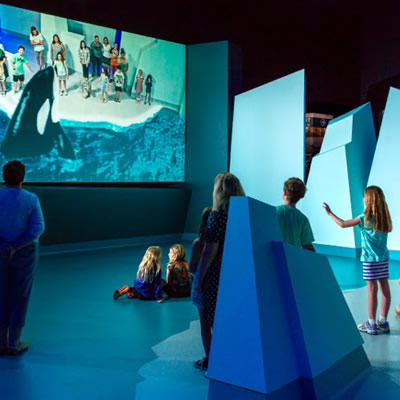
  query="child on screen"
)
[
  {"x": 148, "y": 283},
  {"x": 86, "y": 87},
  {"x": 375, "y": 224},
  {"x": 119, "y": 79},
  {"x": 179, "y": 280},
  {"x": 149, "y": 84},
  {"x": 61, "y": 69},
  {"x": 103, "y": 81}
]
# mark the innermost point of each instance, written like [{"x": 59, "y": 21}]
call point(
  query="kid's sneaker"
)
[
  {"x": 371, "y": 329},
  {"x": 383, "y": 328}
]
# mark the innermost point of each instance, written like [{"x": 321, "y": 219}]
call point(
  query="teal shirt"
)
[
  {"x": 19, "y": 62},
  {"x": 373, "y": 243},
  {"x": 295, "y": 226}
]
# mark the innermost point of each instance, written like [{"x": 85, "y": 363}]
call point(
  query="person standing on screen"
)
[
  {"x": 114, "y": 60},
  {"x": 106, "y": 54},
  {"x": 86, "y": 88},
  {"x": 226, "y": 185},
  {"x": 295, "y": 226},
  {"x": 139, "y": 85},
  {"x": 84, "y": 58},
  {"x": 375, "y": 223},
  {"x": 3, "y": 55},
  {"x": 119, "y": 79},
  {"x": 37, "y": 42},
  {"x": 97, "y": 53},
  {"x": 57, "y": 47},
  {"x": 21, "y": 224},
  {"x": 17, "y": 63},
  {"x": 61, "y": 69},
  {"x": 149, "y": 84},
  {"x": 103, "y": 81},
  {"x": 2, "y": 76},
  {"x": 124, "y": 65}
]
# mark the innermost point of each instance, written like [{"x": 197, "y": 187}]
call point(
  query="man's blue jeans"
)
[{"x": 16, "y": 278}]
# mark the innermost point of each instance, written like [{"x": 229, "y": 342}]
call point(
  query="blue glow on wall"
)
[
  {"x": 268, "y": 136},
  {"x": 338, "y": 176},
  {"x": 385, "y": 167}
]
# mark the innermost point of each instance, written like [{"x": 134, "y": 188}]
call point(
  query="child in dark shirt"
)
[{"x": 179, "y": 280}]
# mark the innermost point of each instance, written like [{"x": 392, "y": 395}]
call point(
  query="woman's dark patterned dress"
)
[{"x": 215, "y": 233}]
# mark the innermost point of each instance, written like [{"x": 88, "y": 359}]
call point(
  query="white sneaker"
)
[
  {"x": 65, "y": 93},
  {"x": 61, "y": 93}
]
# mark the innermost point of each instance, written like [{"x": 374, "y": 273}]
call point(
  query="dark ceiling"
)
[{"x": 276, "y": 38}]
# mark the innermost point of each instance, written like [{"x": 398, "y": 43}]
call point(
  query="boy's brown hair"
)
[{"x": 295, "y": 189}]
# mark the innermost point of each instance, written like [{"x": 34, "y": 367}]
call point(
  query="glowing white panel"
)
[
  {"x": 268, "y": 137},
  {"x": 385, "y": 167},
  {"x": 339, "y": 134},
  {"x": 339, "y": 175},
  {"x": 331, "y": 185}
]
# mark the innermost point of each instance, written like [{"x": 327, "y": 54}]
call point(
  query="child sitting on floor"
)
[
  {"x": 179, "y": 280},
  {"x": 147, "y": 285}
]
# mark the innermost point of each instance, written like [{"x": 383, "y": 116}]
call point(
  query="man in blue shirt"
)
[{"x": 21, "y": 224}]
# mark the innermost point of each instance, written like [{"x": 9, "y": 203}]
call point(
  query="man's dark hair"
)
[
  {"x": 295, "y": 189},
  {"x": 14, "y": 173},
  {"x": 96, "y": 36},
  {"x": 21, "y": 47}
]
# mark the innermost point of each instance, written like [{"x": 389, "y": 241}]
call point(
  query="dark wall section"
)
[
  {"x": 380, "y": 57},
  {"x": 87, "y": 214},
  {"x": 211, "y": 85}
]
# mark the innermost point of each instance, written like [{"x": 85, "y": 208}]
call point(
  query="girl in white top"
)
[
  {"x": 106, "y": 54},
  {"x": 37, "y": 42},
  {"x": 61, "y": 68}
]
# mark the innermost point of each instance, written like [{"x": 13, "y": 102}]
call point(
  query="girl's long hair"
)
[
  {"x": 376, "y": 210},
  {"x": 225, "y": 186},
  {"x": 150, "y": 265}
]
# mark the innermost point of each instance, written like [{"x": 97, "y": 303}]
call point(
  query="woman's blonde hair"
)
[
  {"x": 225, "y": 186},
  {"x": 179, "y": 251},
  {"x": 376, "y": 209},
  {"x": 150, "y": 265}
]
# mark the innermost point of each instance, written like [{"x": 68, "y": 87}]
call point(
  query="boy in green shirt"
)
[
  {"x": 295, "y": 226},
  {"x": 17, "y": 62}
]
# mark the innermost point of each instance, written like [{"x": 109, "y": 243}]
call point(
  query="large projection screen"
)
[{"x": 126, "y": 125}]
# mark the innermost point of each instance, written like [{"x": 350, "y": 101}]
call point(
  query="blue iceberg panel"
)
[
  {"x": 385, "y": 166},
  {"x": 249, "y": 299},
  {"x": 338, "y": 176},
  {"x": 327, "y": 326},
  {"x": 268, "y": 136}
]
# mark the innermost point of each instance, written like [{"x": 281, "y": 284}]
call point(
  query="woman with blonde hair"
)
[
  {"x": 148, "y": 283},
  {"x": 226, "y": 185}
]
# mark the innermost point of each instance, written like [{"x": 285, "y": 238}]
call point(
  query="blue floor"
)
[{"x": 85, "y": 345}]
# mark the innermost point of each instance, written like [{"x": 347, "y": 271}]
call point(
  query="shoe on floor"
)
[
  {"x": 117, "y": 295},
  {"x": 201, "y": 364},
  {"x": 21, "y": 348},
  {"x": 368, "y": 328},
  {"x": 383, "y": 328}
]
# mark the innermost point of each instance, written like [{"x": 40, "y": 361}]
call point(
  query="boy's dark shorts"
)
[
  {"x": 17, "y": 78},
  {"x": 118, "y": 88}
]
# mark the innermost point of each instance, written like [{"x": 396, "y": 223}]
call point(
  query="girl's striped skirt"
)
[{"x": 373, "y": 271}]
